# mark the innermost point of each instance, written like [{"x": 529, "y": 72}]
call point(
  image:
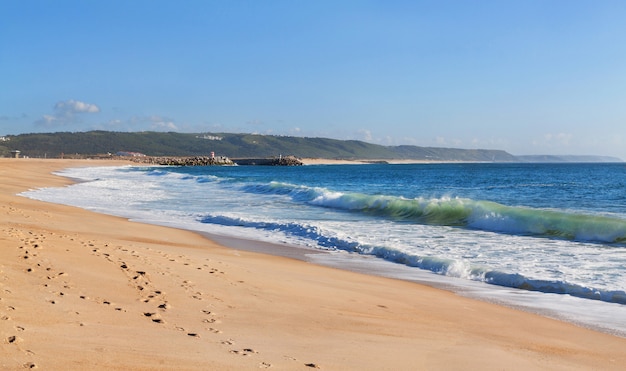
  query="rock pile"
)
[
  {"x": 182, "y": 161},
  {"x": 218, "y": 160},
  {"x": 272, "y": 161},
  {"x": 287, "y": 161}
]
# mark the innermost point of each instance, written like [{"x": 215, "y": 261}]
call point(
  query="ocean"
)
[{"x": 548, "y": 238}]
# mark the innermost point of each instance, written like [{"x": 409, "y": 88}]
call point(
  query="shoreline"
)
[
  {"x": 534, "y": 302},
  {"x": 86, "y": 290}
]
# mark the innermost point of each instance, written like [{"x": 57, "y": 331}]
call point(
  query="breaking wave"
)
[{"x": 460, "y": 212}]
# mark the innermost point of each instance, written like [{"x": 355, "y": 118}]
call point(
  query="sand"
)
[{"x": 80, "y": 290}]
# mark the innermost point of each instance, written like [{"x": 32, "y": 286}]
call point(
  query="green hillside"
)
[{"x": 227, "y": 144}]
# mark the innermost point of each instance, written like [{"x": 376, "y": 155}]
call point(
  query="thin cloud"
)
[
  {"x": 152, "y": 123},
  {"x": 13, "y": 118},
  {"x": 447, "y": 142},
  {"x": 365, "y": 135},
  {"x": 255, "y": 123},
  {"x": 550, "y": 139},
  {"x": 164, "y": 125},
  {"x": 159, "y": 123}
]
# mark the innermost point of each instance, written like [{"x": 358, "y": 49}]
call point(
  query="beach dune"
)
[{"x": 80, "y": 290}]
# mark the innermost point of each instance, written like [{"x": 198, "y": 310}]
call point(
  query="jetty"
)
[
  {"x": 182, "y": 161},
  {"x": 272, "y": 161},
  {"x": 214, "y": 160}
]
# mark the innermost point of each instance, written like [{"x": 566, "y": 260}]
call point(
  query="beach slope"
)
[{"x": 80, "y": 290}]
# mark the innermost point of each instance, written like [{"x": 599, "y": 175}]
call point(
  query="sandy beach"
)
[{"x": 80, "y": 290}]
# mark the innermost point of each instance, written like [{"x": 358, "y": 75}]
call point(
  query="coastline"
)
[{"x": 85, "y": 290}]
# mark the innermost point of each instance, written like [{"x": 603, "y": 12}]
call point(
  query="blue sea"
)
[{"x": 549, "y": 238}]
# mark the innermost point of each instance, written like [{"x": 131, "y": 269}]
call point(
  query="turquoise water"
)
[{"x": 546, "y": 228}]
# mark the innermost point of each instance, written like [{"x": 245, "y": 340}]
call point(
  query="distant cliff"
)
[
  {"x": 228, "y": 145},
  {"x": 92, "y": 143}
]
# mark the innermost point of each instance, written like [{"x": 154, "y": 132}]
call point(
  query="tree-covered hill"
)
[{"x": 229, "y": 145}]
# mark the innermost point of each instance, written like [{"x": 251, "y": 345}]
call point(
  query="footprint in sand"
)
[
  {"x": 154, "y": 317},
  {"x": 244, "y": 352},
  {"x": 191, "y": 334},
  {"x": 12, "y": 339}
]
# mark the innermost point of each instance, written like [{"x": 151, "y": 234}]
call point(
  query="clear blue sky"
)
[{"x": 526, "y": 76}]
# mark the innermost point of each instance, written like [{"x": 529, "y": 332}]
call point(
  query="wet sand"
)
[{"x": 80, "y": 290}]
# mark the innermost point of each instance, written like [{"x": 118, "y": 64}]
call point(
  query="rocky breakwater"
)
[
  {"x": 182, "y": 161},
  {"x": 289, "y": 161},
  {"x": 275, "y": 161}
]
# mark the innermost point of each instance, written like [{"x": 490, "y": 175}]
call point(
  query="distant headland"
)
[{"x": 253, "y": 148}]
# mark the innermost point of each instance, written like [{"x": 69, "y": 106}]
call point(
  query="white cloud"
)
[
  {"x": 73, "y": 106},
  {"x": 65, "y": 111}
]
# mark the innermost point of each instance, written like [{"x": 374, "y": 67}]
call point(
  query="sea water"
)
[{"x": 546, "y": 237}]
